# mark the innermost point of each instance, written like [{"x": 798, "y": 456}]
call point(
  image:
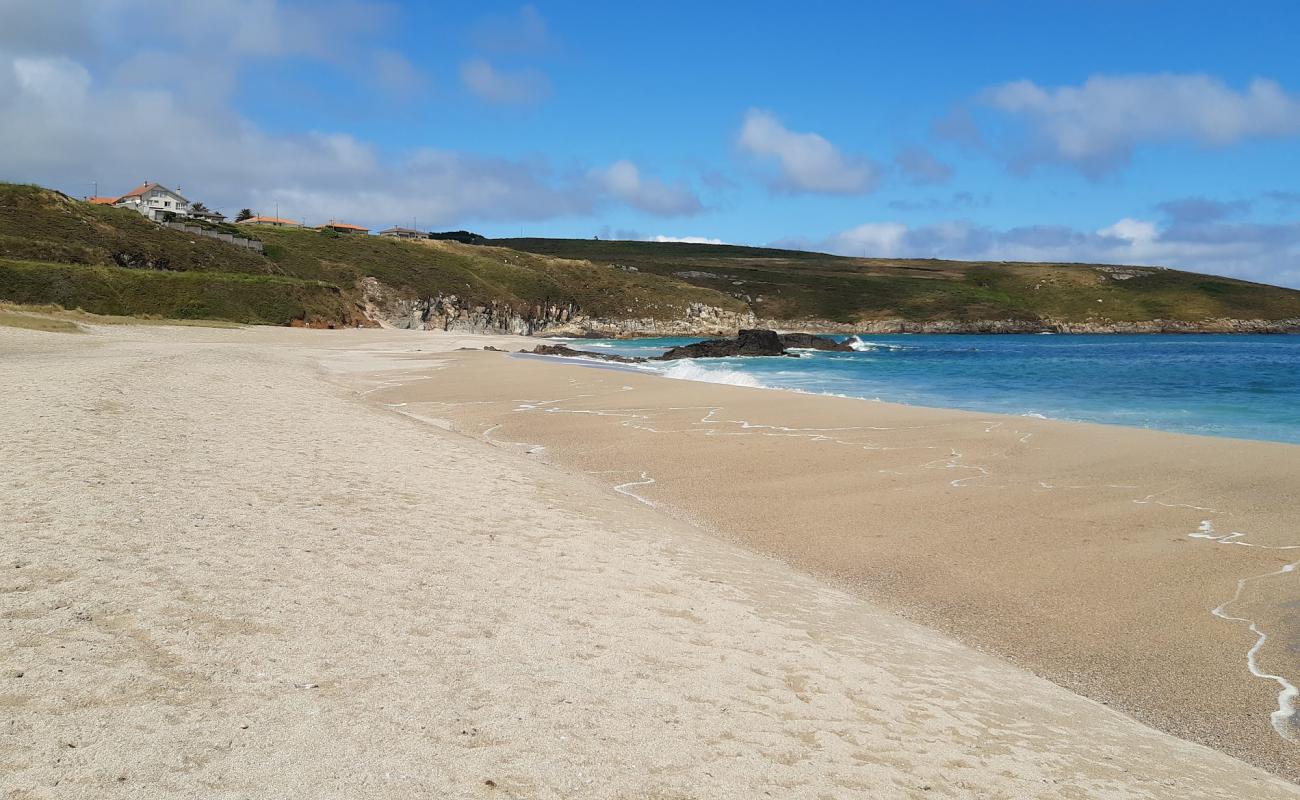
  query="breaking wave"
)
[
  {"x": 694, "y": 371},
  {"x": 864, "y": 346}
]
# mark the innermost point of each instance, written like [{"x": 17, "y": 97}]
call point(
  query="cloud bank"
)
[
  {"x": 1096, "y": 125},
  {"x": 73, "y": 103},
  {"x": 1251, "y": 251}
]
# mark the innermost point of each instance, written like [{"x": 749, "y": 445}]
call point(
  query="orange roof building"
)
[
  {"x": 278, "y": 222},
  {"x": 102, "y": 201},
  {"x": 343, "y": 227}
]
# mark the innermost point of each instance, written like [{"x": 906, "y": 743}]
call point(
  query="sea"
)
[{"x": 1240, "y": 386}]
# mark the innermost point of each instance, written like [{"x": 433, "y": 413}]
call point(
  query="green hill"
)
[
  {"x": 54, "y": 249},
  {"x": 796, "y": 285}
]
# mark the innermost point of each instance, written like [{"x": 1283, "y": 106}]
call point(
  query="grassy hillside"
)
[
  {"x": 793, "y": 285},
  {"x": 42, "y": 226},
  {"x": 484, "y": 274},
  {"x": 113, "y": 261},
  {"x": 258, "y": 299}
]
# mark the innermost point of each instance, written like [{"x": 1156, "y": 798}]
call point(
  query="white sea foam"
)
[
  {"x": 693, "y": 371},
  {"x": 864, "y": 346}
]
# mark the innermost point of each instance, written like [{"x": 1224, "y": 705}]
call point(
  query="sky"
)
[{"x": 1137, "y": 132}]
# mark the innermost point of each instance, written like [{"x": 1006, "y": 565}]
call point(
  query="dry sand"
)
[{"x": 230, "y": 570}]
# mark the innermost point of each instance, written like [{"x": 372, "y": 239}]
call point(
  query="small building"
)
[
  {"x": 154, "y": 201},
  {"x": 342, "y": 227},
  {"x": 404, "y": 233},
  {"x": 207, "y": 216},
  {"x": 276, "y": 222},
  {"x": 102, "y": 201}
]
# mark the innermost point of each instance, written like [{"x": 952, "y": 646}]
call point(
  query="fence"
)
[{"x": 237, "y": 241}]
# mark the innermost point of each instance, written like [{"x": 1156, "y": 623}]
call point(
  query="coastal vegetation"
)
[
  {"x": 55, "y": 249},
  {"x": 799, "y": 285}
]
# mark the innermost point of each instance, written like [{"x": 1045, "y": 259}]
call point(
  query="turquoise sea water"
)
[{"x": 1239, "y": 386}]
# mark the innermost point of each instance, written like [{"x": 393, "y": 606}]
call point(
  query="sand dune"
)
[{"x": 235, "y": 567}]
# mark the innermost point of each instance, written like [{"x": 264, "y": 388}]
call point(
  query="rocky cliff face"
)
[{"x": 447, "y": 312}]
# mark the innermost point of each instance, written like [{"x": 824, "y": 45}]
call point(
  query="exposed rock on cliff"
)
[{"x": 448, "y": 312}]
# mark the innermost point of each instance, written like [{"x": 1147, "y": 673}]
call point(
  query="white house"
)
[{"x": 154, "y": 201}]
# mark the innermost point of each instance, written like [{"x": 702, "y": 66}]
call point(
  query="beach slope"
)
[{"x": 232, "y": 568}]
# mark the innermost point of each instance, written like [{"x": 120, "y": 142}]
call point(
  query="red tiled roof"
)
[
  {"x": 270, "y": 220},
  {"x": 102, "y": 201},
  {"x": 139, "y": 190},
  {"x": 344, "y": 226}
]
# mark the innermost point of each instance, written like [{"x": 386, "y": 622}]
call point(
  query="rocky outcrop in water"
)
[
  {"x": 754, "y": 342},
  {"x": 747, "y": 343},
  {"x": 569, "y": 352}
]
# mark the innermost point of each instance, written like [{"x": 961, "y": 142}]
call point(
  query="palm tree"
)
[
  {"x": 244, "y": 213},
  {"x": 198, "y": 208}
]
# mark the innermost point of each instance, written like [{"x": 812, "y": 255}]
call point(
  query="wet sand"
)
[
  {"x": 1095, "y": 556},
  {"x": 232, "y": 569}
]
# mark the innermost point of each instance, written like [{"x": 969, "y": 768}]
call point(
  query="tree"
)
[
  {"x": 244, "y": 213},
  {"x": 199, "y": 208}
]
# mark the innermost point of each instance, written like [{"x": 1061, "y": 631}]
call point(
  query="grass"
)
[
  {"x": 38, "y": 224},
  {"x": 257, "y": 299},
  {"x": 15, "y": 317},
  {"x": 54, "y": 317},
  {"x": 794, "y": 285}
]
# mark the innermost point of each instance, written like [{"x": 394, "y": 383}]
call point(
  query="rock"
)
[
  {"x": 808, "y": 341},
  {"x": 754, "y": 342},
  {"x": 569, "y": 352}
]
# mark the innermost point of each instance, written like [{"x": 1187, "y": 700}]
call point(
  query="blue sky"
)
[{"x": 1136, "y": 132}]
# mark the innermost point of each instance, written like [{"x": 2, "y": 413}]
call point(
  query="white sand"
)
[{"x": 224, "y": 576}]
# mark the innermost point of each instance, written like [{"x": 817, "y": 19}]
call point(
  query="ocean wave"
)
[
  {"x": 694, "y": 371},
  {"x": 864, "y": 346}
]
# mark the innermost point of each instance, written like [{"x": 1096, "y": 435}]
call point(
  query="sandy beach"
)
[{"x": 289, "y": 563}]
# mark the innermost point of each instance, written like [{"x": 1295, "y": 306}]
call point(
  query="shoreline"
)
[
  {"x": 261, "y": 574},
  {"x": 902, "y": 585},
  {"x": 726, "y": 376}
]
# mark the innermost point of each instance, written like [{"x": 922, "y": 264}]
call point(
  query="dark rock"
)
[
  {"x": 808, "y": 341},
  {"x": 569, "y": 352},
  {"x": 754, "y": 343}
]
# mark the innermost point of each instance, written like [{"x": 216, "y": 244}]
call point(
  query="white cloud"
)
[
  {"x": 806, "y": 162},
  {"x": 1268, "y": 253},
  {"x": 1131, "y": 230},
  {"x": 1096, "y": 125},
  {"x": 624, "y": 180},
  {"x": 119, "y": 116},
  {"x": 882, "y": 239},
  {"x": 524, "y": 86},
  {"x": 687, "y": 239}
]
